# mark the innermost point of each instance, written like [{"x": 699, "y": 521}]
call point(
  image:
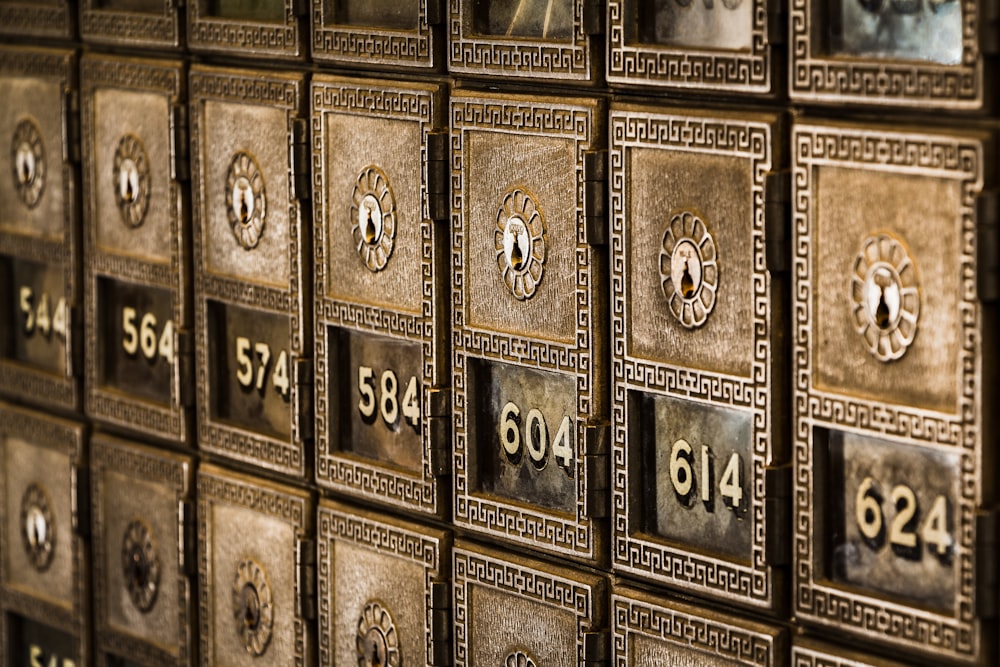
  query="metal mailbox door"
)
[
  {"x": 700, "y": 46},
  {"x": 812, "y": 653},
  {"x": 384, "y": 594},
  {"x": 381, "y": 258},
  {"x": 139, "y": 316},
  {"x": 143, "y": 552},
  {"x": 44, "y": 568},
  {"x": 647, "y": 630},
  {"x": 892, "y": 520},
  {"x": 51, "y": 19},
  {"x": 256, "y": 571},
  {"x": 528, "y": 318},
  {"x": 261, "y": 29},
  {"x": 252, "y": 257},
  {"x": 698, "y": 220},
  {"x": 145, "y": 24},
  {"x": 39, "y": 229},
  {"x": 517, "y": 612}
]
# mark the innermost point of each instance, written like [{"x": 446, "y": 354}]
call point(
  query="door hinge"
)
[
  {"x": 777, "y": 222},
  {"x": 301, "y": 158},
  {"x": 989, "y": 27},
  {"x": 71, "y": 121},
  {"x": 305, "y": 567},
  {"x": 595, "y": 197},
  {"x": 179, "y": 143},
  {"x": 778, "y": 514},
  {"x": 437, "y": 175},
  {"x": 988, "y": 246},
  {"x": 596, "y": 439},
  {"x": 596, "y": 648},
  {"x": 302, "y": 370},
  {"x": 777, "y": 21},
  {"x": 80, "y": 495},
  {"x": 439, "y": 651},
  {"x": 593, "y": 17},
  {"x": 184, "y": 345},
  {"x": 986, "y": 555},
  {"x": 440, "y": 440},
  {"x": 186, "y": 530}
]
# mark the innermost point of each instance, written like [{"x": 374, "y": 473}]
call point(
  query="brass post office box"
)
[
  {"x": 381, "y": 260},
  {"x": 252, "y": 255},
  {"x": 265, "y": 29},
  {"x": 386, "y": 34},
  {"x": 529, "y": 306},
  {"x": 518, "y": 612},
  {"x": 384, "y": 594},
  {"x": 648, "y": 630},
  {"x": 44, "y": 565},
  {"x": 812, "y": 653},
  {"x": 732, "y": 47},
  {"x": 256, "y": 571},
  {"x": 139, "y": 316},
  {"x": 937, "y": 54},
  {"x": 147, "y": 24},
  {"x": 143, "y": 553},
  {"x": 39, "y": 229},
  {"x": 549, "y": 40},
  {"x": 54, "y": 19},
  {"x": 894, "y": 292},
  {"x": 698, "y": 227}
]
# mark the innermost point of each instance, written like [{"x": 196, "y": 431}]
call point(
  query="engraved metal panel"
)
[
  {"x": 263, "y": 29},
  {"x": 891, "y": 53},
  {"x": 698, "y": 324},
  {"x": 516, "y": 612},
  {"x": 143, "y": 553},
  {"x": 254, "y": 591},
  {"x": 40, "y": 286},
  {"x": 384, "y": 596},
  {"x": 548, "y": 40},
  {"x": 890, "y": 433},
  {"x": 381, "y": 264},
  {"x": 528, "y": 306},
  {"x": 139, "y": 315},
  {"x": 647, "y": 630},
  {"x": 44, "y": 566},
  {"x": 55, "y": 19},
  {"x": 136, "y": 23},
  {"x": 405, "y": 34},
  {"x": 812, "y": 653},
  {"x": 695, "y": 45},
  {"x": 253, "y": 332}
]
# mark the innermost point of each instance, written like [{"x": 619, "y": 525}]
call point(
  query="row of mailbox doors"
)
[{"x": 731, "y": 356}]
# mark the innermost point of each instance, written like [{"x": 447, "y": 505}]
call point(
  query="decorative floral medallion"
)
[
  {"x": 140, "y": 564},
  {"x": 28, "y": 162},
  {"x": 373, "y": 218},
  {"x": 131, "y": 180},
  {"x": 253, "y": 607},
  {"x": 246, "y": 200},
  {"x": 520, "y": 242},
  {"x": 519, "y": 659},
  {"x": 689, "y": 269},
  {"x": 37, "y": 530},
  {"x": 377, "y": 641},
  {"x": 885, "y": 296}
]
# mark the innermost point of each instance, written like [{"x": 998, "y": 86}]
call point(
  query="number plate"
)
[
  {"x": 141, "y": 23},
  {"x": 247, "y": 28},
  {"x": 897, "y": 53},
  {"x": 516, "y": 611},
  {"x": 381, "y": 270},
  {"x": 31, "y": 18},
  {"x": 383, "y": 599},
  {"x": 143, "y": 537},
  {"x": 252, "y": 268},
  {"x": 889, "y": 399},
  {"x": 40, "y": 288},
  {"x": 695, "y": 45},
  {"x": 253, "y": 536},
  {"x": 697, "y": 352},
  {"x": 652, "y": 631},
  {"x": 380, "y": 33},
  {"x": 139, "y": 315},
  {"x": 529, "y": 321},
  {"x": 44, "y": 574}
]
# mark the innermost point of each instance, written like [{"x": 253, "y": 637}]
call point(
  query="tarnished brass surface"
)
[
  {"x": 383, "y": 34},
  {"x": 262, "y": 29},
  {"x": 813, "y": 653},
  {"x": 136, "y": 23},
  {"x": 38, "y": 18}
]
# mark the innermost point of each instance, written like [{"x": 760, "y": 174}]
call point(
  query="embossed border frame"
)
[
  {"x": 586, "y": 361},
  {"x": 583, "y": 595},
  {"x": 29, "y": 18},
  {"x": 288, "y": 456},
  {"x": 172, "y": 421},
  {"x": 812, "y": 653},
  {"x": 247, "y": 39},
  {"x": 422, "y": 104},
  {"x": 365, "y": 46},
  {"x": 67, "y": 438},
  {"x": 817, "y": 77},
  {"x": 18, "y": 380},
  {"x": 754, "y": 139},
  {"x": 717, "y": 636},
  {"x": 383, "y": 537},
  {"x": 175, "y": 472},
  {"x": 817, "y": 600},
  {"x": 632, "y": 62},
  {"x": 468, "y": 53},
  {"x": 278, "y": 502},
  {"x": 131, "y": 28}
]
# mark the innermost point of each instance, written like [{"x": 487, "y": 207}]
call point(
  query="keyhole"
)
[
  {"x": 138, "y": 568},
  {"x": 882, "y": 318},
  {"x": 517, "y": 256},
  {"x": 687, "y": 282},
  {"x": 376, "y": 661},
  {"x": 36, "y": 527},
  {"x": 369, "y": 224},
  {"x": 251, "y": 608},
  {"x": 244, "y": 209},
  {"x": 26, "y": 165}
]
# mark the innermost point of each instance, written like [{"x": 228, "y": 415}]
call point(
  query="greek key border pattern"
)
[
  {"x": 35, "y": 63},
  {"x": 372, "y": 46},
  {"x": 28, "y": 18},
  {"x": 207, "y": 33},
  {"x": 103, "y": 25}
]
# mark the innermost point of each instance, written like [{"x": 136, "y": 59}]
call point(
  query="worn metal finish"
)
[
  {"x": 528, "y": 316},
  {"x": 891, "y": 449},
  {"x": 44, "y": 564},
  {"x": 142, "y": 518},
  {"x": 53, "y": 19},
  {"x": 697, "y": 352},
  {"x": 134, "y": 23},
  {"x": 729, "y": 47},
  {"x": 262, "y": 29},
  {"x": 139, "y": 315},
  {"x": 253, "y": 333},
  {"x": 253, "y": 589},
  {"x": 41, "y": 324},
  {"x": 381, "y": 265},
  {"x": 812, "y": 653},
  {"x": 384, "y": 597},
  {"x": 511, "y": 610},
  {"x": 648, "y": 630}
]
